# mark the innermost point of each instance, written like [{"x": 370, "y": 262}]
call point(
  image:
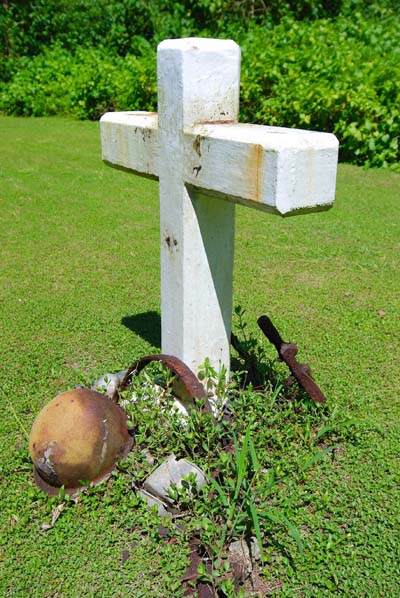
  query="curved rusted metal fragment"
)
[
  {"x": 192, "y": 385},
  {"x": 76, "y": 440},
  {"x": 287, "y": 352},
  {"x": 201, "y": 588}
]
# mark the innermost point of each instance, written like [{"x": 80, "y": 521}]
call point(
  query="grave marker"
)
[{"x": 206, "y": 162}]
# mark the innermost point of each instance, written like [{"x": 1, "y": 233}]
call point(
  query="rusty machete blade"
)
[{"x": 287, "y": 352}]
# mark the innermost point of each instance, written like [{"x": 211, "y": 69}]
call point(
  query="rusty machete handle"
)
[{"x": 287, "y": 352}]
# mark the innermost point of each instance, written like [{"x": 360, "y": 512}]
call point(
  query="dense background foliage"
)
[{"x": 329, "y": 65}]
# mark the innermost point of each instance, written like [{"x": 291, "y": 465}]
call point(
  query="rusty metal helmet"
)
[{"x": 77, "y": 439}]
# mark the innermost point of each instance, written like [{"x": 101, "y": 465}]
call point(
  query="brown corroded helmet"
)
[{"x": 76, "y": 439}]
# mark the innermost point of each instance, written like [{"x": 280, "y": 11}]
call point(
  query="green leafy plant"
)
[{"x": 241, "y": 515}]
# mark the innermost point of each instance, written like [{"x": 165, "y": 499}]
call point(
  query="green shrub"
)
[
  {"x": 102, "y": 82},
  {"x": 39, "y": 86},
  {"x": 85, "y": 83},
  {"x": 331, "y": 75},
  {"x": 340, "y": 76},
  {"x": 26, "y": 28}
]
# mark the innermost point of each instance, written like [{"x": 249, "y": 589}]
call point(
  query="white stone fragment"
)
[
  {"x": 153, "y": 501},
  {"x": 171, "y": 472},
  {"x": 130, "y": 140},
  {"x": 275, "y": 169},
  {"x": 271, "y": 168},
  {"x": 109, "y": 383}
]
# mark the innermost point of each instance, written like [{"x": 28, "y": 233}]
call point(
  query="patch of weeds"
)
[
  {"x": 256, "y": 452},
  {"x": 252, "y": 365},
  {"x": 258, "y": 447}
]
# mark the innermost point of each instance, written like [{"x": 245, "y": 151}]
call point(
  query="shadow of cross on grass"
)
[{"x": 147, "y": 325}]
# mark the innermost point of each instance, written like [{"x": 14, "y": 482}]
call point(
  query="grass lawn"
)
[{"x": 79, "y": 296}]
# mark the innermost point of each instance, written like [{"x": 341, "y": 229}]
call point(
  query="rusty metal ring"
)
[{"x": 192, "y": 385}]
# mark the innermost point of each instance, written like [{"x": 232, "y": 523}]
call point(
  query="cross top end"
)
[
  {"x": 198, "y": 80},
  {"x": 202, "y": 44}
]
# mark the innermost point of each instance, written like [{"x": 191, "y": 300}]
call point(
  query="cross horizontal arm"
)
[
  {"x": 129, "y": 140},
  {"x": 271, "y": 168}
]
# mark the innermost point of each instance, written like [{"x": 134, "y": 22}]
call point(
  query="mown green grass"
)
[{"x": 79, "y": 296}]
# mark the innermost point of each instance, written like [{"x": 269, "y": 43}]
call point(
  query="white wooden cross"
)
[{"x": 206, "y": 162}]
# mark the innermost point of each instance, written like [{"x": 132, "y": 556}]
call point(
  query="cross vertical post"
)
[{"x": 198, "y": 81}]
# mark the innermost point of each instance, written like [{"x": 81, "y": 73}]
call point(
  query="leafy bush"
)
[
  {"x": 336, "y": 75},
  {"x": 85, "y": 83},
  {"x": 26, "y": 28},
  {"x": 29, "y": 26},
  {"x": 39, "y": 86},
  {"x": 340, "y": 76}
]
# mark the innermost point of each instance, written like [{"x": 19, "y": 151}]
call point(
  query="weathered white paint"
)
[
  {"x": 270, "y": 168},
  {"x": 130, "y": 140},
  {"x": 206, "y": 162}
]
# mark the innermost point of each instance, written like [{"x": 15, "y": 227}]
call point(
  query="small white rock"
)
[
  {"x": 171, "y": 472},
  {"x": 155, "y": 501},
  {"x": 109, "y": 383}
]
